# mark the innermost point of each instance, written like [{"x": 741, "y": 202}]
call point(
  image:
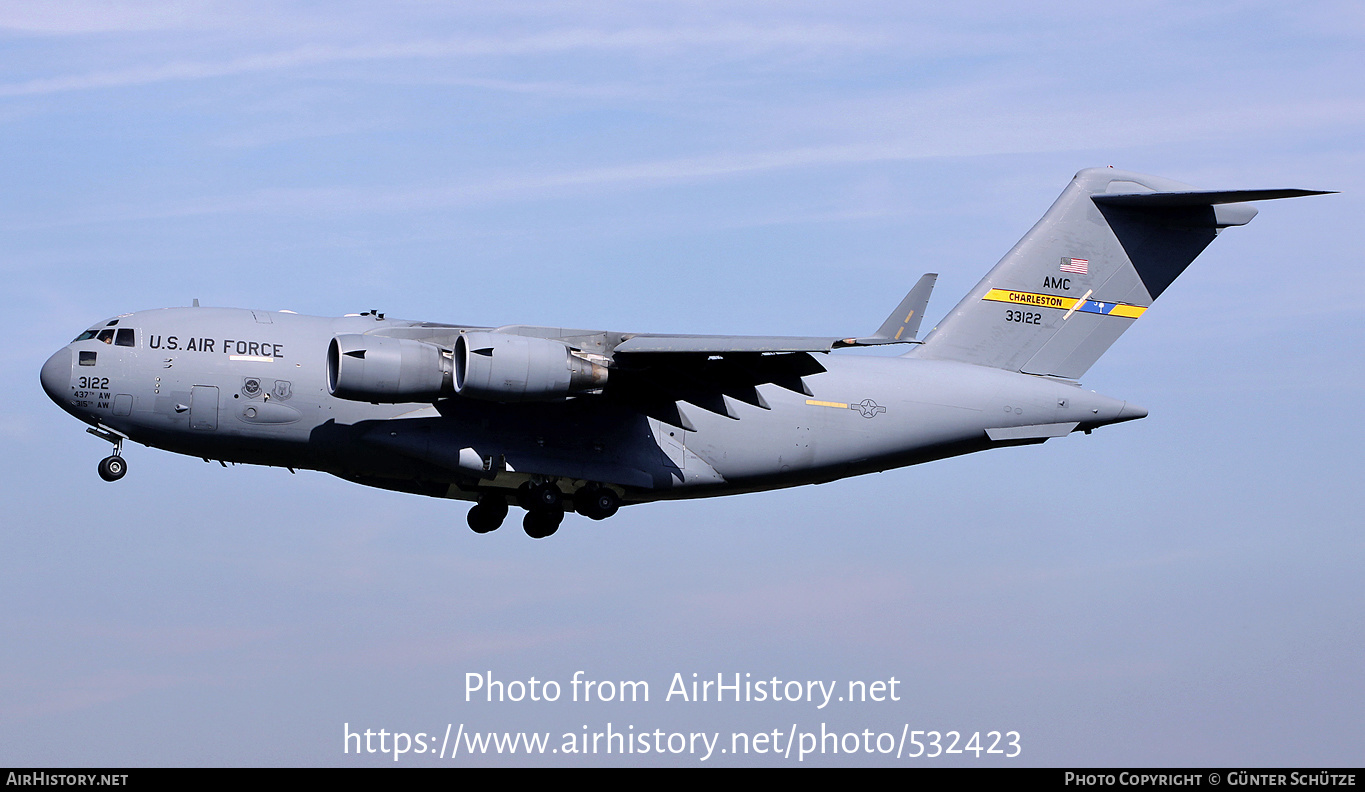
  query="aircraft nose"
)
[{"x": 56, "y": 376}]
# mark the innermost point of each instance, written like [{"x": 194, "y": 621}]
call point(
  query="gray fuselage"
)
[{"x": 252, "y": 387}]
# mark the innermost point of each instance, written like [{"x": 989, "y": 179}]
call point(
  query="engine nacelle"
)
[
  {"x": 381, "y": 369},
  {"x": 511, "y": 368}
]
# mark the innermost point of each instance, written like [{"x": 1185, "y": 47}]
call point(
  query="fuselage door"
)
[{"x": 204, "y": 408}]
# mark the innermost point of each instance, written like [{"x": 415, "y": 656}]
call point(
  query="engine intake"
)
[
  {"x": 380, "y": 369},
  {"x": 511, "y": 368}
]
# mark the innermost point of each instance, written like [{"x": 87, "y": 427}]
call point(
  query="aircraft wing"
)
[
  {"x": 655, "y": 373},
  {"x": 723, "y": 345},
  {"x": 899, "y": 328},
  {"x": 714, "y": 374}
]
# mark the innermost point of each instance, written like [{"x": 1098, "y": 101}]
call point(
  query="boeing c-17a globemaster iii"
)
[{"x": 551, "y": 419}]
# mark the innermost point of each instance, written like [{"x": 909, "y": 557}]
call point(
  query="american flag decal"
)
[{"x": 1076, "y": 266}]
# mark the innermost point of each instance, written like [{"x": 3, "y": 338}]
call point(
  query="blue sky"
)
[{"x": 1180, "y": 590}]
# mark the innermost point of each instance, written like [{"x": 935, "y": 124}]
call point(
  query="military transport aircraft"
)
[{"x": 549, "y": 418}]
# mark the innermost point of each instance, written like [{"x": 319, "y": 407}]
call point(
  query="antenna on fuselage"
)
[{"x": 196, "y": 302}]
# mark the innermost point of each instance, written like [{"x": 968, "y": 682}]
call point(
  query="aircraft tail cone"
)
[{"x": 1130, "y": 412}]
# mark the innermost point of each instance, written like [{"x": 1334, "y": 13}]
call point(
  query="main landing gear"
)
[
  {"x": 545, "y": 506},
  {"x": 540, "y": 523},
  {"x": 596, "y": 503},
  {"x": 112, "y": 468},
  {"x": 488, "y": 514}
]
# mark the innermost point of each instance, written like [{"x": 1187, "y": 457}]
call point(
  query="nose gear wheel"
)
[{"x": 112, "y": 468}]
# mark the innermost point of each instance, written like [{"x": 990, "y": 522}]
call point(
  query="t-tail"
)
[{"x": 1107, "y": 248}]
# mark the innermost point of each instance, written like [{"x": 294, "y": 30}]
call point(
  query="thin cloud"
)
[
  {"x": 40, "y": 698},
  {"x": 75, "y": 17},
  {"x": 646, "y": 40},
  {"x": 513, "y": 187},
  {"x": 1004, "y": 132}
]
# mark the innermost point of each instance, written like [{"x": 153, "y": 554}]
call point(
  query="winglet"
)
[{"x": 903, "y": 323}]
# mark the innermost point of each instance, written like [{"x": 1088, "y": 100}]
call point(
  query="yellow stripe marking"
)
[
  {"x": 1029, "y": 298},
  {"x": 817, "y": 403},
  {"x": 1068, "y": 304}
]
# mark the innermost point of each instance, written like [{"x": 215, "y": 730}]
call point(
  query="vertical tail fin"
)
[{"x": 1110, "y": 245}]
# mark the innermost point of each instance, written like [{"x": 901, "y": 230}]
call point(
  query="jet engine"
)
[
  {"x": 511, "y": 368},
  {"x": 379, "y": 369}
]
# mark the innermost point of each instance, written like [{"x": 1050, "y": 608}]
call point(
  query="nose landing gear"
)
[{"x": 112, "y": 468}]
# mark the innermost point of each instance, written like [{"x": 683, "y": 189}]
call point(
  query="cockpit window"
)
[
  {"x": 106, "y": 335},
  {"x": 88, "y": 334},
  {"x": 112, "y": 323},
  {"x": 124, "y": 337}
]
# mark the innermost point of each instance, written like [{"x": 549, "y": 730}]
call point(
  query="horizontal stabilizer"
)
[{"x": 1198, "y": 197}]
